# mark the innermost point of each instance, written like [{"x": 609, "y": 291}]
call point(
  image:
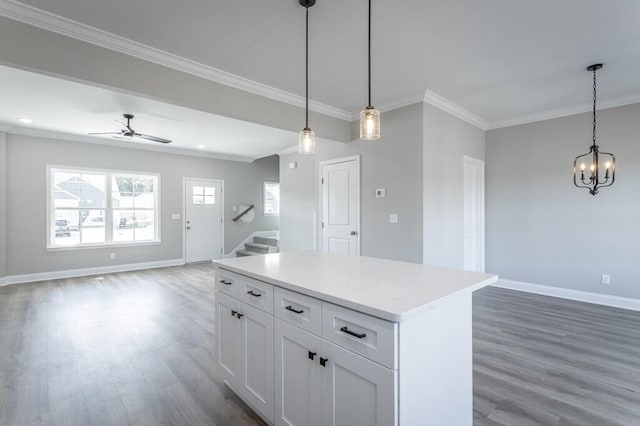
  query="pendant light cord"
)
[
  {"x": 369, "y": 40},
  {"x": 307, "y": 72},
  {"x": 594, "y": 106}
]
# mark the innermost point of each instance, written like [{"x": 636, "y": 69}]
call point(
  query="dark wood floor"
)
[{"x": 137, "y": 348}]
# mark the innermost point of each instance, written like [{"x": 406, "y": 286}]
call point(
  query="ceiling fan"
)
[{"x": 129, "y": 132}]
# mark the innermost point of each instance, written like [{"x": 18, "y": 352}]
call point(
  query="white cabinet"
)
[
  {"x": 298, "y": 376},
  {"x": 245, "y": 352},
  {"x": 355, "y": 390},
  {"x": 319, "y": 383}
]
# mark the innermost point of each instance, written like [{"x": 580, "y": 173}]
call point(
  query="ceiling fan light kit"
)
[
  {"x": 595, "y": 160},
  {"x": 128, "y": 131}
]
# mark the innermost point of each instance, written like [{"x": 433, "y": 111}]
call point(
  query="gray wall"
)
[
  {"x": 3, "y": 204},
  {"x": 543, "y": 230},
  {"x": 447, "y": 140},
  {"x": 27, "y": 158},
  {"x": 393, "y": 162}
]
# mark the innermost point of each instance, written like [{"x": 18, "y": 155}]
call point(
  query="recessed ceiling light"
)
[
  {"x": 25, "y": 120},
  {"x": 200, "y": 146}
]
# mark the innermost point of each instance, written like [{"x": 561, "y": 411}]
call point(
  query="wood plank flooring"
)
[{"x": 138, "y": 349}]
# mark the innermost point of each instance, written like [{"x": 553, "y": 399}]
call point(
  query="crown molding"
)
[
  {"x": 118, "y": 143},
  {"x": 564, "y": 112},
  {"x": 33, "y": 16},
  {"x": 291, "y": 150},
  {"x": 454, "y": 109}
]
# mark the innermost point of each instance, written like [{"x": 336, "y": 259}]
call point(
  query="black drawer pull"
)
[
  {"x": 254, "y": 294},
  {"x": 289, "y": 308},
  {"x": 353, "y": 333},
  {"x": 323, "y": 361},
  {"x": 312, "y": 355},
  {"x": 239, "y": 315},
  {"x": 226, "y": 282}
]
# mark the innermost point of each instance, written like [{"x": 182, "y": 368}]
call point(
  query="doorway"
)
[
  {"x": 340, "y": 202},
  {"x": 473, "y": 214},
  {"x": 203, "y": 219}
]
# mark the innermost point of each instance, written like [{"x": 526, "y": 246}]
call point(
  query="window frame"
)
[
  {"x": 264, "y": 192},
  {"x": 108, "y": 209}
]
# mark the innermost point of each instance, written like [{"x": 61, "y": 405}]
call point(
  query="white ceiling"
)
[
  {"x": 62, "y": 106},
  {"x": 503, "y": 60}
]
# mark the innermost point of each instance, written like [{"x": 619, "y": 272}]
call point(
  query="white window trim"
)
[
  {"x": 264, "y": 184},
  {"x": 50, "y": 210}
]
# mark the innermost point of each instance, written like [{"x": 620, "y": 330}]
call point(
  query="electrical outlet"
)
[
  {"x": 606, "y": 279},
  {"x": 112, "y": 256}
]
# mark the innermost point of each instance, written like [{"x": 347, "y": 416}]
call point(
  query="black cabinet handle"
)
[
  {"x": 353, "y": 333},
  {"x": 239, "y": 315},
  {"x": 323, "y": 361},
  {"x": 289, "y": 308},
  {"x": 226, "y": 282},
  {"x": 254, "y": 294},
  {"x": 312, "y": 355},
  {"x": 233, "y": 313}
]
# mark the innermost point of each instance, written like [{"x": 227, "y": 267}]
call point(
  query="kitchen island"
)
[{"x": 310, "y": 338}]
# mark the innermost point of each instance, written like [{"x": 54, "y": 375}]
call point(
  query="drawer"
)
[
  {"x": 229, "y": 282},
  {"x": 298, "y": 309},
  {"x": 256, "y": 293},
  {"x": 373, "y": 338}
]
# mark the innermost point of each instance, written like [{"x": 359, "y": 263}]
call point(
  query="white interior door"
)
[
  {"x": 473, "y": 214},
  {"x": 340, "y": 225},
  {"x": 203, "y": 220}
]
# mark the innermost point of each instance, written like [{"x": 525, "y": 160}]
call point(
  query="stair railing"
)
[{"x": 247, "y": 210}]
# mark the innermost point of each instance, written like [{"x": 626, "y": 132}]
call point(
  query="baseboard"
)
[
  {"x": 71, "y": 273},
  {"x": 565, "y": 293}
]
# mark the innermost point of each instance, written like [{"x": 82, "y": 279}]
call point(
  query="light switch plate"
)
[
  {"x": 293, "y": 164},
  {"x": 393, "y": 218},
  {"x": 381, "y": 193},
  {"x": 175, "y": 216}
]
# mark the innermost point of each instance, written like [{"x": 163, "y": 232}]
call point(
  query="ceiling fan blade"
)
[{"x": 152, "y": 138}]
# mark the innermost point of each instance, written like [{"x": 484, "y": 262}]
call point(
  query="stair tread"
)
[
  {"x": 270, "y": 241},
  {"x": 258, "y": 246},
  {"x": 248, "y": 253}
]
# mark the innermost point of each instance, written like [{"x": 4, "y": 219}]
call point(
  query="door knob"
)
[
  {"x": 354, "y": 233},
  {"x": 188, "y": 227}
]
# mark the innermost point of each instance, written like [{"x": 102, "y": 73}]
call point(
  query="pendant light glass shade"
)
[
  {"x": 370, "y": 124},
  {"x": 369, "y": 117},
  {"x": 307, "y": 142}
]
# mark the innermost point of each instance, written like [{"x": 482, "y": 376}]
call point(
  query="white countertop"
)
[{"x": 391, "y": 290}]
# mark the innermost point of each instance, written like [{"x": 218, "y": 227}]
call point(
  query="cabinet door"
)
[
  {"x": 258, "y": 359},
  {"x": 355, "y": 390},
  {"x": 230, "y": 340},
  {"x": 298, "y": 376}
]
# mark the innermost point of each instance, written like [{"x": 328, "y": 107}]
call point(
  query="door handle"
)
[
  {"x": 254, "y": 294},
  {"x": 225, "y": 282},
  {"x": 233, "y": 313},
  {"x": 312, "y": 355},
  {"x": 353, "y": 333},
  {"x": 188, "y": 227},
  {"x": 354, "y": 233},
  {"x": 239, "y": 315},
  {"x": 323, "y": 361}
]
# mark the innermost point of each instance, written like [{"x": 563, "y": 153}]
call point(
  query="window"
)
[
  {"x": 98, "y": 207},
  {"x": 204, "y": 195},
  {"x": 271, "y": 195}
]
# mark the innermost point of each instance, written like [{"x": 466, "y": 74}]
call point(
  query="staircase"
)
[{"x": 260, "y": 245}]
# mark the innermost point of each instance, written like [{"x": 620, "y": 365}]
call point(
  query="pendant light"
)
[
  {"x": 307, "y": 138},
  {"x": 369, "y": 117},
  {"x": 595, "y": 160}
]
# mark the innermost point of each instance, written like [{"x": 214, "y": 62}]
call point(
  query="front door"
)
[
  {"x": 203, "y": 220},
  {"x": 341, "y": 206}
]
